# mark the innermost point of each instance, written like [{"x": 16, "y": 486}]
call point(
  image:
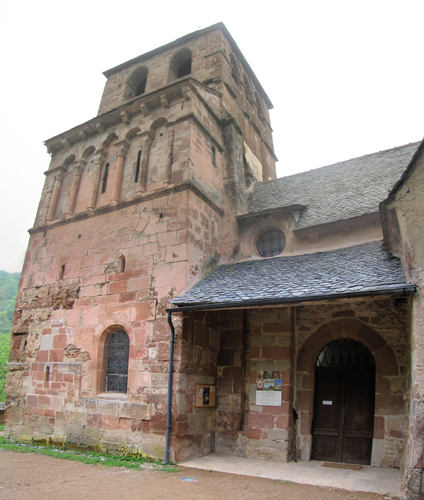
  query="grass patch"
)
[
  {"x": 127, "y": 461},
  {"x": 2, "y": 427}
]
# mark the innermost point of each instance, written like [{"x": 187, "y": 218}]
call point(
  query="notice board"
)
[{"x": 205, "y": 396}]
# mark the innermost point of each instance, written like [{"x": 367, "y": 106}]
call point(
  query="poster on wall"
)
[{"x": 269, "y": 388}]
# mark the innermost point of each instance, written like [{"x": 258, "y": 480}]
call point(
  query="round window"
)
[{"x": 270, "y": 243}]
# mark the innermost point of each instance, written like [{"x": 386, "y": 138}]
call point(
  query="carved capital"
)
[
  {"x": 122, "y": 148},
  {"x": 144, "y": 108},
  {"x": 60, "y": 175},
  {"x": 100, "y": 158},
  {"x": 79, "y": 166}
]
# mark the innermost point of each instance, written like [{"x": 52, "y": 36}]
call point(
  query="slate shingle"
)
[
  {"x": 362, "y": 268},
  {"x": 336, "y": 192}
]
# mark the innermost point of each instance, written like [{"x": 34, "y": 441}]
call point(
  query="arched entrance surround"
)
[{"x": 386, "y": 365}]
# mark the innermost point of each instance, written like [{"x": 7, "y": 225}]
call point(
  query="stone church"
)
[{"x": 178, "y": 300}]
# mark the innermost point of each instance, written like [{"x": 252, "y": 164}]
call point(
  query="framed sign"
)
[
  {"x": 205, "y": 396},
  {"x": 269, "y": 388}
]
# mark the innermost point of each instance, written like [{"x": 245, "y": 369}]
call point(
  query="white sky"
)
[{"x": 345, "y": 78}]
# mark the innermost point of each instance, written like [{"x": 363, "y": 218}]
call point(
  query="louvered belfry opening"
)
[
  {"x": 344, "y": 353},
  {"x": 117, "y": 353}
]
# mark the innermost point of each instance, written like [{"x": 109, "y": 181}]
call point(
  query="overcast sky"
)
[{"x": 345, "y": 78}]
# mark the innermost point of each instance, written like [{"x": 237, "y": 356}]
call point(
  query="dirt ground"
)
[{"x": 37, "y": 477}]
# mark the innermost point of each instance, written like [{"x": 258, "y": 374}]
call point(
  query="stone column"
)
[
  {"x": 96, "y": 180},
  {"x": 144, "y": 160},
  {"x": 74, "y": 189},
  {"x": 55, "y": 195},
  {"x": 170, "y": 160},
  {"x": 121, "y": 153}
]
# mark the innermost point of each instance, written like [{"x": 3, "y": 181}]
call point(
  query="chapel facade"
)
[{"x": 178, "y": 300}]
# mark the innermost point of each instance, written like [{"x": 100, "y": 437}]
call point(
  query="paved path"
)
[{"x": 370, "y": 479}]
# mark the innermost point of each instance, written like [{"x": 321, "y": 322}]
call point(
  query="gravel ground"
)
[{"x": 38, "y": 477}]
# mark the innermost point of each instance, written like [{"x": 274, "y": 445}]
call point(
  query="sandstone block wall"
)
[
  {"x": 405, "y": 208},
  {"x": 83, "y": 280}
]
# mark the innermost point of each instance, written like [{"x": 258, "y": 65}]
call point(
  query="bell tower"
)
[{"x": 136, "y": 204}]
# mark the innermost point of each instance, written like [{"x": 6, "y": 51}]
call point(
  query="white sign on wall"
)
[{"x": 269, "y": 388}]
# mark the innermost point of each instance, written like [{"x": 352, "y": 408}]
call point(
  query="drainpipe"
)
[{"x": 169, "y": 409}]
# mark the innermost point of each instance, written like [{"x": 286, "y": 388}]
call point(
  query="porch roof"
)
[{"x": 365, "y": 270}]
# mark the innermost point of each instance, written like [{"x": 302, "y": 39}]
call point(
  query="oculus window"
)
[{"x": 270, "y": 243}]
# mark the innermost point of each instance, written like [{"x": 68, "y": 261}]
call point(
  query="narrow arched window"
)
[
  {"x": 137, "y": 167},
  {"x": 117, "y": 350},
  {"x": 248, "y": 87},
  {"x": 105, "y": 175},
  {"x": 122, "y": 259},
  {"x": 213, "y": 159},
  {"x": 235, "y": 69},
  {"x": 259, "y": 107}
]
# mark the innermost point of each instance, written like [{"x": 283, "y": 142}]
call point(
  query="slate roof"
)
[
  {"x": 358, "y": 270},
  {"x": 336, "y": 192}
]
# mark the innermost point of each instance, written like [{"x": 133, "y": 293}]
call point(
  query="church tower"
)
[{"x": 138, "y": 202}]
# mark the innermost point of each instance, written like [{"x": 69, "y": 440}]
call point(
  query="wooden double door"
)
[{"x": 343, "y": 414}]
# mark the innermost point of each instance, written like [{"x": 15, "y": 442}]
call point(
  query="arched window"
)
[
  {"x": 249, "y": 91},
  {"x": 117, "y": 350},
  {"x": 259, "y": 107},
  {"x": 235, "y": 69},
  {"x": 180, "y": 64},
  {"x": 213, "y": 156},
  {"x": 137, "y": 82},
  {"x": 105, "y": 176}
]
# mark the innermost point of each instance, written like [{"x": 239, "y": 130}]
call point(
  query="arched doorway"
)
[{"x": 344, "y": 403}]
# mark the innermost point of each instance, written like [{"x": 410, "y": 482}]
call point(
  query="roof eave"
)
[{"x": 243, "y": 304}]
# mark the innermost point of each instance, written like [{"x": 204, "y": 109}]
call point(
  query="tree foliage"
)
[{"x": 8, "y": 289}]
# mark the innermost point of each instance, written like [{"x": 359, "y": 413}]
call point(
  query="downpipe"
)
[{"x": 169, "y": 409}]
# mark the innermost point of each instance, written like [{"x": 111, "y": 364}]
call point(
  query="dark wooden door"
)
[{"x": 343, "y": 414}]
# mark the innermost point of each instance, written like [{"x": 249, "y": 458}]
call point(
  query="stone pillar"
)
[
  {"x": 144, "y": 160},
  {"x": 74, "y": 189},
  {"x": 234, "y": 185},
  {"x": 55, "y": 195},
  {"x": 170, "y": 160},
  {"x": 96, "y": 180},
  {"x": 121, "y": 153}
]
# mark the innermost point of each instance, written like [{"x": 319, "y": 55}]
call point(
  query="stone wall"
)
[
  {"x": 406, "y": 226},
  {"x": 227, "y": 348},
  {"x": 232, "y": 410},
  {"x": 270, "y": 428},
  {"x": 197, "y": 350},
  {"x": 81, "y": 281}
]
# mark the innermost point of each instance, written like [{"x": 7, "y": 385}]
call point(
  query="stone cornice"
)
[
  {"x": 188, "y": 185},
  {"x": 102, "y": 123}
]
